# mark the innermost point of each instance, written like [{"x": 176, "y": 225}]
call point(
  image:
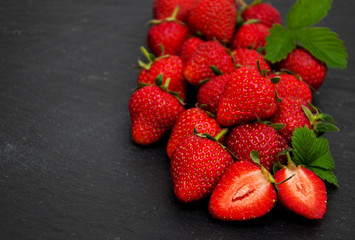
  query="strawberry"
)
[
  {"x": 214, "y": 19},
  {"x": 185, "y": 124},
  {"x": 264, "y": 12},
  {"x": 197, "y": 165},
  {"x": 252, "y": 35},
  {"x": 290, "y": 86},
  {"x": 248, "y": 95},
  {"x": 304, "y": 193},
  {"x": 153, "y": 112},
  {"x": 171, "y": 67},
  {"x": 244, "y": 192},
  {"x": 301, "y": 62},
  {"x": 249, "y": 57},
  {"x": 256, "y": 136},
  {"x": 188, "y": 47},
  {"x": 197, "y": 69},
  {"x": 167, "y": 35},
  {"x": 164, "y": 8}
]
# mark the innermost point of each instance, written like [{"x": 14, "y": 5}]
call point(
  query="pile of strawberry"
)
[{"x": 253, "y": 137}]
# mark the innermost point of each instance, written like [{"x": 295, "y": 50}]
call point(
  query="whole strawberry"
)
[
  {"x": 164, "y": 8},
  {"x": 302, "y": 63},
  {"x": 188, "y": 47},
  {"x": 211, "y": 53},
  {"x": 244, "y": 192},
  {"x": 171, "y": 67},
  {"x": 250, "y": 57},
  {"x": 153, "y": 112},
  {"x": 214, "y": 19},
  {"x": 250, "y": 35},
  {"x": 248, "y": 95},
  {"x": 197, "y": 165},
  {"x": 264, "y": 12},
  {"x": 256, "y": 136},
  {"x": 185, "y": 124}
]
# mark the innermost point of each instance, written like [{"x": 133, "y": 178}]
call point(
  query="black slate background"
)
[{"x": 68, "y": 168}]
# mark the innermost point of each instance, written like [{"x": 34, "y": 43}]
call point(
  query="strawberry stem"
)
[
  {"x": 243, "y": 4},
  {"x": 221, "y": 133}
]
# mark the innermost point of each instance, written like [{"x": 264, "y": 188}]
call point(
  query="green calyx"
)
[
  {"x": 254, "y": 155},
  {"x": 172, "y": 18},
  {"x": 159, "y": 81},
  {"x": 150, "y": 57}
]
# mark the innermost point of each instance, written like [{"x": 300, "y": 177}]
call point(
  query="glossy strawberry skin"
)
[
  {"x": 290, "y": 86},
  {"x": 196, "y": 167},
  {"x": 209, "y": 53},
  {"x": 214, "y": 19},
  {"x": 248, "y": 95},
  {"x": 169, "y": 34},
  {"x": 188, "y": 47},
  {"x": 290, "y": 113},
  {"x": 256, "y": 136},
  {"x": 250, "y": 57},
  {"x": 170, "y": 67},
  {"x": 301, "y": 62},
  {"x": 266, "y": 13},
  {"x": 164, "y": 8},
  {"x": 305, "y": 193},
  {"x": 185, "y": 124},
  {"x": 153, "y": 113},
  {"x": 251, "y": 35},
  {"x": 244, "y": 192}
]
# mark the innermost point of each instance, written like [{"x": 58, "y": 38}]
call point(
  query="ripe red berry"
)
[
  {"x": 252, "y": 35},
  {"x": 164, "y": 8},
  {"x": 250, "y": 57},
  {"x": 266, "y": 13},
  {"x": 188, "y": 47}
]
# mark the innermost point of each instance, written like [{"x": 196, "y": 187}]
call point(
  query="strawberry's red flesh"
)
[
  {"x": 165, "y": 8},
  {"x": 251, "y": 35},
  {"x": 265, "y": 12},
  {"x": 250, "y": 57},
  {"x": 244, "y": 192},
  {"x": 305, "y": 193}
]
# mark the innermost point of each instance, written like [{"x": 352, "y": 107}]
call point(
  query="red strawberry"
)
[
  {"x": 214, "y": 19},
  {"x": 197, "y": 68},
  {"x": 252, "y": 35},
  {"x": 304, "y": 193},
  {"x": 302, "y": 63},
  {"x": 153, "y": 113},
  {"x": 256, "y": 136},
  {"x": 171, "y": 67},
  {"x": 250, "y": 57},
  {"x": 264, "y": 12},
  {"x": 248, "y": 96},
  {"x": 164, "y": 8},
  {"x": 210, "y": 94},
  {"x": 188, "y": 47},
  {"x": 185, "y": 124},
  {"x": 196, "y": 167},
  {"x": 244, "y": 192},
  {"x": 290, "y": 86}
]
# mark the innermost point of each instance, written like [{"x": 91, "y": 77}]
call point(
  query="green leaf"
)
[
  {"x": 325, "y": 175},
  {"x": 279, "y": 43},
  {"x": 254, "y": 155},
  {"x": 324, "y": 45},
  {"x": 323, "y": 158},
  {"x": 306, "y": 13}
]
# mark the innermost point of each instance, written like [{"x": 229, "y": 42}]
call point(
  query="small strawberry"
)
[
  {"x": 249, "y": 57},
  {"x": 188, "y": 47},
  {"x": 302, "y": 63},
  {"x": 214, "y": 19},
  {"x": 197, "y": 165},
  {"x": 304, "y": 193},
  {"x": 185, "y": 124},
  {"x": 250, "y": 35},
  {"x": 210, "y": 53},
  {"x": 153, "y": 112},
  {"x": 264, "y": 12},
  {"x": 244, "y": 192},
  {"x": 256, "y": 136},
  {"x": 167, "y": 35},
  {"x": 164, "y": 8},
  {"x": 171, "y": 67},
  {"x": 248, "y": 95}
]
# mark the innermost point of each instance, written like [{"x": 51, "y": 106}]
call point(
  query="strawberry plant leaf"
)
[
  {"x": 327, "y": 176},
  {"x": 306, "y": 13}
]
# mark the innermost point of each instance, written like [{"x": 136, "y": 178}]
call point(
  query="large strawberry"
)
[
  {"x": 214, "y": 19},
  {"x": 197, "y": 165},
  {"x": 185, "y": 124},
  {"x": 303, "y": 193},
  {"x": 248, "y": 95},
  {"x": 304, "y": 64},
  {"x": 256, "y": 136},
  {"x": 210, "y": 53},
  {"x": 264, "y": 12},
  {"x": 153, "y": 112},
  {"x": 250, "y": 57},
  {"x": 188, "y": 47},
  {"x": 164, "y": 8},
  {"x": 244, "y": 192},
  {"x": 250, "y": 35}
]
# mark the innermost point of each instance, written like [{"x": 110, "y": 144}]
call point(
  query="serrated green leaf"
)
[
  {"x": 325, "y": 175},
  {"x": 324, "y": 45},
  {"x": 306, "y": 13},
  {"x": 279, "y": 43},
  {"x": 323, "y": 159}
]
